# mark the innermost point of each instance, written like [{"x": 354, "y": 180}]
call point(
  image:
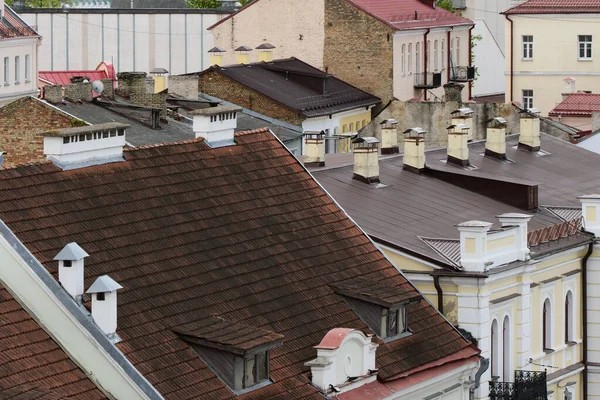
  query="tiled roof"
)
[
  {"x": 64, "y": 77},
  {"x": 375, "y": 292},
  {"x": 242, "y": 232},
  {"x": 578, "y": 104},
  {"x": 11, "y": 25},
  {"x": 271, "y": 80},
  {"x": 556, "y": 7},
  {"x": 32, "y": 365}
]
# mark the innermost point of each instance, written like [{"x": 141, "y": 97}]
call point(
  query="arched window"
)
[
  {"x": 435, "y": 55},
  {"x": 547, "y": 325},
  {"x": 417, "y": 60},
  {"x": 495, "y": 350},
  {"x": 506, "y": 351},
  {"x": 409, "y": 58},
  {"x": 402, "y": 60},
  {"x": 569, "y": 314}
]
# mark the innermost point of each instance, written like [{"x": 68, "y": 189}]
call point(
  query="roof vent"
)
[
  {"x": 216, "y": 124},
  {"x": 389, "y": 137},
  {"x": 104, "y": 305},
  {"x": 495, "y": 144},
  {"x": 414, "y": 150},
  {"x": 70, "y": 269},
  {"x": 243, "y": 54},
  {"x": 83, "y": 146},
  {"x": 314, "y": 149},
  {"x": 463, "y": 116},
  {"x": 529, "y": 137},
  {"x": 265, "y": 52},
  {"x": 216, "y": 56},
  {"x": 458, "y": 151},
  {"x": 366, "y": 159}
]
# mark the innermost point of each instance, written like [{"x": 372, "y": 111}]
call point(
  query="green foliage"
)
[
  {"x": 203, "y": 3},
  {"x": 445, "y": 4},
  {"x": 43, "y": 3},
  {"x": 77, "y": 122},
  {"x": 474, "y": 40},
  {"x": 244, "y": 2}
]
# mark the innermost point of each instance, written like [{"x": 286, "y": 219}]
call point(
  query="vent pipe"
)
[
  {"x": 104, "y": 304},
  {"x": 529, "y": 137},
  {"x": 265, "y": 52},
  {"x": 458, "y": 150},
  {"x": 314, "y": 149},
  {"x": 495, "y": 145},
  {"x": 366, "y": 159},
  {"x": 70, "y": 269},
  {"x": 463, "y": 116},
  {"x": 243, "y": 54},
  {"x": 414, "y": 150},
  {"x": 216, "y": 124},
  {"x": 389, "y": 137},
  {"x": 216, "y": 56}
]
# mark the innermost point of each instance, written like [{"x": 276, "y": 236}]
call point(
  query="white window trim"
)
[
  {"x": 526, "y": 106},
  {"x": 547, "y": 296},
  {"x": 591, "y": 43},
  {"x": 530, "y": 48}
]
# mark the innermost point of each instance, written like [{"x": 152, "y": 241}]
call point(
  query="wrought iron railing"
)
[
  {"x": 428, "y": 80},
  {"x": 528, "y": 385},
  {"x": 462, "y": 74}
]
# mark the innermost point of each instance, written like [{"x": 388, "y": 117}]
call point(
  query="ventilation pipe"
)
[
  {"x": 216, "y": 124},
  {"x": 314, "y": 149},
  {"x": 70, "y": 269},
  {"x": 414, "y": 150},
  {"x": 495, "y": 145},
  {"x": 104, "y": 304},
  {"x": 243, "y": 54},
  {"x": 216, "y": 56},
  {"x": 529, "y": 137},
  {"x": 389, "y": 137},
  {"x": 366, "y": 159},
  {"x": 458, "y": 150},
  {"x": 265, "y": 52},
  {"x": 463, "y": 116}
]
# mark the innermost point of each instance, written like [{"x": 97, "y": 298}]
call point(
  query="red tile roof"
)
[
  {"x": 577, "y": 104},
  {"x": 243, "y": 232},
  {"x": 64, "y": 77},
  {"x": 12, "y": 26},
  {"x": 556, "y": 7},
  {"x": 32, "y": 365}
]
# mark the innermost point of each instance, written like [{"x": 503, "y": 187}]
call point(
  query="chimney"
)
[
  {"x": 595, "y": 121},
  {"x": 366, "y": 159},
  {"x": 569, "y": 87},
  {"x": 216, "y": 124},
  {"x": 529, "y": 137},
  {"x": 473, "y": 245},
  {"x": 519, "y": 221},
  {"x": 453, "y": 92},
  {"x": 463, "y": 116},
  {"x": 216, "y": 56},
  {"x": 314, "y": 149},
  {"x": 389, "y": 137},
  {"x": 70, "y": 269},
  {"x": 72, "y": 148},
  {"x": 458, "y": 150},
  {"x": 495, "y": 145},
  {"x": 265, "y": 52},
  {"x": 590, "y": 210},
  {"x": 104, "y": 304},
  {"x": 159, "y": 76},
  {"x": 243, "y": 54},
  {"x": 414, "y": 150}
]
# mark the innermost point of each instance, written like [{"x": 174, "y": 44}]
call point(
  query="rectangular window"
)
[
  {"x": 457, "y": 51},
  {"x": 393, "y": 322},
  {"x": 6, "y": 77},
  {"x": 428, "y": 55},
  {"x": 344, "y": 128},
  {"x": 527, "y": 47},
  {"x": 409, "y": 63},
  {"x": 402, "y": 68},
  {"x": 435, "y": 55},
  {"x": 352, "y": 127},
  {"x": 66, "y": 140},
  {"x": 27, "y": 68},
  {"x": 100, "y": 296},
  {"x": 443, "y": 54},
  {"x": 417, "y": 61},
  {"x": 527, "y": 99},
  {"x": 585, "y": 47},
  {"x": 17, "y": 69},
  {"x": 251, "y": 371},
  {"x": 67, "y": 263}
]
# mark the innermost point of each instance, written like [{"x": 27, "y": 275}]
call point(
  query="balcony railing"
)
[
  {"x": 428, "y": 80},
  {"x": 528, "y": 385},
  {"x": 462, "y": 74}
]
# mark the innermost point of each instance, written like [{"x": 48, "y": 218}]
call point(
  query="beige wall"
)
[
  {"x": 582, "y": 123},
  {"x": 555, "y": 57},
  {"x": 12, "y": 48},
  {"x": 294, "y": 28}
]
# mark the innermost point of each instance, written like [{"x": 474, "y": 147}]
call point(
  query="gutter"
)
[
  {"x": 470, "y": 59},
  {"x": 440, "y": 293},
  {"x": 512, "y": 39},
  {"x": 426, "y": 60},
  {"x": 585, "y": 311}
]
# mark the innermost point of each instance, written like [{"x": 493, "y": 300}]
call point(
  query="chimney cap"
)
[
  {"x": 498, "y": 121},
  {"x": 463, "y": 111},
  {"x": 243, "y": 48},
  {"x": 475, "y": 224},
  {"x": 367, "y": 140},
  {"x": 217, "y": 49},
  {"x": 265, "y": 46},
  {"x": 159, "y": 71},
  {"x": 71, "y": 252},
  {"x": 104, "y": 284},
  {"x": 462, "y": 127},
  {"x": 215, "y": 110},
  {"x": 515, "y": 216},
  {"x": 389, "y": 121},
  {"x": 109, "y": 126},
  {"x": 314, "y": 134},
  {"x": 415, "y": 131},
  {"x": 589, "y": 197},
  {"x": 569, "y": 79},
  {"x": 531, "y": 113}
]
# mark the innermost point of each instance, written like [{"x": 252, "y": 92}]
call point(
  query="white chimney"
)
[
  {"x": 70, "y": 269},
  {"x": 529, "y": 137},
  {"x": 82, "y": 146},
  {"x": 519, "y": 221},
  {"x": 389, "y": 137},
  {"x": 463, "y": 116},
  {"x": 366, "y": 159},
  {"x": 458, "y": 150},
  {"x": 216, "y": 125},
  {"x": 569, "y": 86},
  {"x": 343, "y": 353},
  {"x": 414, "y": 150},
  {"x": 473, "y": 245},
  {"x": 590, "y": 210},
  {"x": 495, "y": 144},
  {"x": 104, "y": 303},
  {"x": 314, "y": 149}
]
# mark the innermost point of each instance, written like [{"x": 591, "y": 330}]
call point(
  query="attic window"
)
[
  {"x": 251, "y": 371},
  {"x": 393, "y": 322}
]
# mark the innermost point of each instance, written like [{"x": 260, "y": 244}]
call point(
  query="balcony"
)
[
  {"x": 528, "y": 385},
  {"x": 462, "y": 74},
  {"x": 430, "y": 80}
]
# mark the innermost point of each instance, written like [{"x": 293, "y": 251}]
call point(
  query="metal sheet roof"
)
[
  {"x": 104, "y": 284},
  {"x": 71, "y": 252}
]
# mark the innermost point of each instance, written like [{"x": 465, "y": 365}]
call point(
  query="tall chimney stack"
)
[
  {"x": 414, "y": 150},
  {"x": 495, "y": 145},
  {"x": 529, "y": 137},
  {"x": 265, "y": 52},
  {"x": 366, "y": 159},
  {"x": 70, "y": 269},
  {"x": 458, "y": 150},
  {"x": 216, "y": 56},
  {"x": 314, "y": 149},
  {"x": 389, "y": 137}
]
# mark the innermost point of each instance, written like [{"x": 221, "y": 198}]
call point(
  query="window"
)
[
  {"x": 67, "y": 263},
  {"x": 409, "y": 58},
  {"x": 427, "y": 55},
  {"x": 66, "y": 140},
  {"x": 443, "y": 54},
  {"x": 100, "y": 296},
  {"x": 344, "y": 128},
  {"x": 393, "y": 322},
  {"x": 364, "y": 123},
  {"x": 585, "y": 47},
  {"x": 27, "y": 68},
  {"x": 569, "y": 314},
  {"x": 435, "y": 55},
  {"x": 6, "y": 71},
  {"x": 451, "y": 63},
  {"x": 251, "y": 370},
  {"x": 527, "y": 99},
  {"x": 547, "y": 326},
  {"x": 352, "y": 127},
  {"x": 402, "y": 60},
  {"x": 17, "y": 69},
  {"x": 495, "y": 351},
  {"x": 457, "y": 51},
  {"x": 506, "y": 350},
  {"x": 527, "y": 47},
  {"x": 417, "y": 61}
]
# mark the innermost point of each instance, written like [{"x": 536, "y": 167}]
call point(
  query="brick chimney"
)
[
  {"x": 70, "y": 269},
  {"x": 216, "y": 56},
  {"x": 104, "y": 304},
  {"x": 495, "y": 145},
  {"x": 458, "y": 150},
  {"x": 529, "y": 137},
  {"x": 389, "y": 137},
  {"x": 463, "y": 116},
  {"x": 216, "y": 124},
  {"x": 314, "y": 149},
  {"x": 414, "y": 150},
  {"x": 265, "y": 52},
  {"x": 366, "y": 159},
  {"x": 243, "y": 54}
]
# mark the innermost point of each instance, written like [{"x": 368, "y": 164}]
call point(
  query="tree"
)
[
  {"x": 445, "y": 4},
  {"x": 203, "y": 3},
  {"x": 43, "y": 3}
]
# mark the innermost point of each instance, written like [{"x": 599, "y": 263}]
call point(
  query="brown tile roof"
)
[
  {"x": 577, "y": 104},
  {"x": 32, "y": 365},
  {"x": 556, "y": 7},
  {"x": 375, "y": 292},
  {"x": 12, "y": 26},
  {"x": 242, "y": 232}
]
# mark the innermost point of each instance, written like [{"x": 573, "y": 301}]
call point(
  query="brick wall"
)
[
  {"x": 129, "y": 82},
  {"x": 20, "y": 121},
  {"x": 79, "y": 91},
  {"x": 109, "y": 89},
  {"x": 186, "y": 86},
  {"x": 358, "y": 49},
  {"x": 215, "y": 84},
  {"x": 156, "y": 100},
  {"x": 53, "y": 93}
]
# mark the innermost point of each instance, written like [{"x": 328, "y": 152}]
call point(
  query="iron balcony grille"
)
[
  {"x": 528, "y": 385},
  {"x": 429, "y": 80},
  {"x": 462, "y": 74}
]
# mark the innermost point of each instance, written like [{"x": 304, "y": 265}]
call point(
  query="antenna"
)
[{"x": 98, "y": 87}]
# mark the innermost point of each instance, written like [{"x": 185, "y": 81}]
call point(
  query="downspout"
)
[
  {"x": 448, "y": 55},
  {"x": 584, "y": 295},
  {"x": 440, "y": 293},
  {"x": 470, "y": 59},
  {"x": 426, "y": 59},
  {"x": 511, "y": 56}
]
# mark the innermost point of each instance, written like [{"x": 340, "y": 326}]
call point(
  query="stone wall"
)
[
  {"x": 129, "y": 82},
  {"x": 109, "y": 89},
  {"x": 53, "y": 93},
  {"x": 78, "y": 91},
  {"x": 184, "y": 85},
  {"x": 358, "y": 49},
  {"x": 215, "y": 84}
]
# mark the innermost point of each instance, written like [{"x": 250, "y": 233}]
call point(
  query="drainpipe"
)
[
  {"x": 426, "y": 59},
  {"x": 512, "y": 40},
  {"x": 440, "y": 293},
  {"x": 470, "y": 62},
  {"x": 584, "y": 295},
  {"x": 448, "y": 55}
]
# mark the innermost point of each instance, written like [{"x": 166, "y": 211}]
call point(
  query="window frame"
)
[
  {"x": 402, "y": 59},
  {"x": 526, "y": 47},
  {"x": 398, "y": 314},
  {"x": 587, "y": 47},
  {"x": 255, "y": 374},
  {"x": 547, "y": 326},
  {"x": 443, "y": 52},
  {"x": 457, "y": 51},
  {"x": 6, "y": 65},
  {"x": 409, "y": 59},
  {"x": 527, "y": 98},
  {"x": 17, "y": 70},
  {"x": 569, "y": 317},
  {"x": 27, "y": 68},
  {"x": 417, "y": 61},
  {"x": 435, "y": 55}
]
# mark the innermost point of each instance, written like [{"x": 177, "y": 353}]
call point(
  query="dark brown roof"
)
[
  {"x": 375, "y": 292},
  {"x": 296, "y": 85},
  {"x": 413, "y": 207},
  {"x": 242, "y": 232},
  {"x": 32, "y": 365}
]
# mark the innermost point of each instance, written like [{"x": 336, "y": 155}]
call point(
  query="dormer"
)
[
  {"x": 104, "y": 305},
  {"x": 382, "y": 306},
  {"x": 70, "y": 269},
  {"x": 238, "y": 353},
  {"x": 216, "y": 124}
]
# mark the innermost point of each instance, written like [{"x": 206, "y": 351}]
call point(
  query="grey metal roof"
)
[
  {"x": 71, "y": 252},
  {"x": 448, "y": 248},
  {"x": 565, "y": 213},
  {"x": 104, "y": 284}
]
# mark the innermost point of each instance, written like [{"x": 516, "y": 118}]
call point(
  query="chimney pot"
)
[
  {"x": 265, "y": 52},
  {"x": 495, "y": 144},
  {"x": 366, "y": 159},
  {"x": 414, "y": 150},
  {"x": 529, "y": 137},
  {"x": 104, "y": 304},
  {"x": 314, "y": 149},
  {"x": 216, "y": 124},
  {"x": 458, "y": 150},
  {"x": 216, "y": 56},
  {"x": 243, "y": 54},
  {"x": 70, "y": 269}
]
